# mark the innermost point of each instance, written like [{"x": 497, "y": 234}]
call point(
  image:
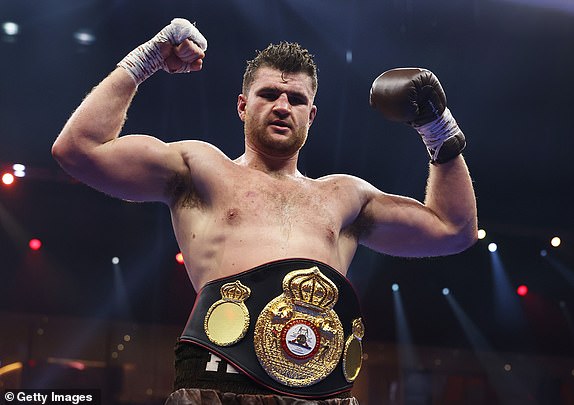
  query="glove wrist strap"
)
[{"x": 442, "y": 137}]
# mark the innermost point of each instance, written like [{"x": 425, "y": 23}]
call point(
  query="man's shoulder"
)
[
  {"x": 195, "y": 151},
  {"x": 196, "y": 146},
  {"x": 349, "y": 184},
  {"x": 342, "y": 180}
]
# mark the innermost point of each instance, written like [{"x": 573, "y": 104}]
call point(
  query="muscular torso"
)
[{"x": 231, "y": 218}]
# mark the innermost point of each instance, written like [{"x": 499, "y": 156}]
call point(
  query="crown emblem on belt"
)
[
  {"x": 311, "y": 289},
  {"x": 235, "y": 291}
]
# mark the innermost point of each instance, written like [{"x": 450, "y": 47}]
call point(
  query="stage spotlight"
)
[
  {"x": 35, "y": 244},
  {"x": 555, "y": 241},
  {"x": 179, "y": 258},
  {"x": 522, "y": 290},
  {"x": 349, "y": 56},
  {"x": 492, "y": 247},
  {"x": 7, "y": 178},
  {"x": 115, "y": 260},
  {"x": 10, "y": 28},
  {"x": 84, "y": 37},
  {"x": 19, "y": 170},
  {"x": 445, "y": 291},
  {"x": 481, "y": 234},
  {"x": 395, "y": 287}
]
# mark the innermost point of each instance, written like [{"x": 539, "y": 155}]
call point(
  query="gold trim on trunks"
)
[
  {"x": 353, "y": 354},
  {"x": 298, "y": 336},
  {"x": 227, "y": 320}
]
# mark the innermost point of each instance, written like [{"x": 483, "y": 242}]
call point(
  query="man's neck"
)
[{"x": 276, "y": 166}]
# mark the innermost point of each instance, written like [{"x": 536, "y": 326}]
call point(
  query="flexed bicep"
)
[
  {"x": 403, "y": 226},
  {"x": 133, "y": 167}
]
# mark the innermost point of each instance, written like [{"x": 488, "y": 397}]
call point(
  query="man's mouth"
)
[{"x": 280, "y": 124}]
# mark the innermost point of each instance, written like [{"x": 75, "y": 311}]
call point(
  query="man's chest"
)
[{"x": 285, "y": 205}]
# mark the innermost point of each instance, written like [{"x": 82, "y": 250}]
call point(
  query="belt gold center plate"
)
[{"x": 298, "y": 336}]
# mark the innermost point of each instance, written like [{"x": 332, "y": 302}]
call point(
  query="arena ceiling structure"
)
[{"x": 506, "y": 68}]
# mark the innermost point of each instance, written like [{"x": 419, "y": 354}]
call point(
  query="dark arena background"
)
[{"x": 91, "y": 293}]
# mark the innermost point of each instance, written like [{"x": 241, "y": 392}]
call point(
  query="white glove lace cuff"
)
[{"x": 436, "y": 132}]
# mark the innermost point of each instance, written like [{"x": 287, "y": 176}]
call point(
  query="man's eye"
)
[
  {"x": 296, "y": 100},
  {"x": 269, "y": 96}
]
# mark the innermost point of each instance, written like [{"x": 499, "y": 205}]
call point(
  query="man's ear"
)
[
  {"x": 312, "y": 114},
  {"x": 241, "y": 104}
]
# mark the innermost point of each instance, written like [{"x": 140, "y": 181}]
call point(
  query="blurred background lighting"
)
[
  {"x": 10, "y": 28},
  {"x": 395, "y": 287},
  {"x": 555, "y": 241},
  {"x": 115, "y": 260},
  {"x": 543, "y": 253},
  {"x": 84, "y": 37},
  {"x": 492, "y": 247},
  {"x": 7, "y": 178},
  {"x": 179, "y": 258},
  {"x": 19, "y": 170},
  {"x": 522, "y": 290},
  {"x": 349, "y": 56},
  {"x": 10, "y": 367},
  {"x": 35, "y": 244},
  {"x": 445, "y": 291},
  {"x": 481, "y": 234}
]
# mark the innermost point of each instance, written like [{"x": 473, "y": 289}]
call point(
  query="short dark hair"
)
[{"x": 287, "y": 57}]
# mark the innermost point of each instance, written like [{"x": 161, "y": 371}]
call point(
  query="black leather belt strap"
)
[{"x": 265, "y": 284}]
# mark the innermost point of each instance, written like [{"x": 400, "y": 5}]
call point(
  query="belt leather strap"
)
[{"x": 265, "y": 284}]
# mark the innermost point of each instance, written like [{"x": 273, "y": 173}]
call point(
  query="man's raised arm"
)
[
  {"x": 447, "y": 221},
  {"x": 134, "y": 167}
]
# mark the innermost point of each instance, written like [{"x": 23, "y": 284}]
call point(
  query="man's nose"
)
[{"x": 282, "y": 104}]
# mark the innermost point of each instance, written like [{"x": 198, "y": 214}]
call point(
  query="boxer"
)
[{"x": 266, "y": 247}]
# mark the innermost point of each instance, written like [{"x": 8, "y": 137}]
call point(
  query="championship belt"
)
[{"x": 293, "y": 325}]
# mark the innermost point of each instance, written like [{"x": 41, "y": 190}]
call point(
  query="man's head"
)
[
  {"x": 276, "y": 105},
  {"x": 285, "y": 57}
]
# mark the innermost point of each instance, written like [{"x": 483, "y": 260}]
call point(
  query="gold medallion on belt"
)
[
  {"x": 227, "y": 320},
  {"x": 298, "y": 337}
]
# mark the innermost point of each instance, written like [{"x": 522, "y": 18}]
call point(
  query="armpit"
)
[
  {"x": 181, "y": 191},
  {"x": 361, "y": 226}
]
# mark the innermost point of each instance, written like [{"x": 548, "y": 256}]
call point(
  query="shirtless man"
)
[{"x": 234, "y": 215}]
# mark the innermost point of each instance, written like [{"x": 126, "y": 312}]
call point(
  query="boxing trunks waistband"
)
[{"x": 293, "y": 326}]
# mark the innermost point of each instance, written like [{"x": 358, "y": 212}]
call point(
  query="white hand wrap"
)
[
  {"x": 146, "y": 59},
  {"x": 435, "y": 133}
]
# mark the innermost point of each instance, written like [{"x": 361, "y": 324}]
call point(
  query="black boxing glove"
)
[{"x": 415, "y": 96}]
